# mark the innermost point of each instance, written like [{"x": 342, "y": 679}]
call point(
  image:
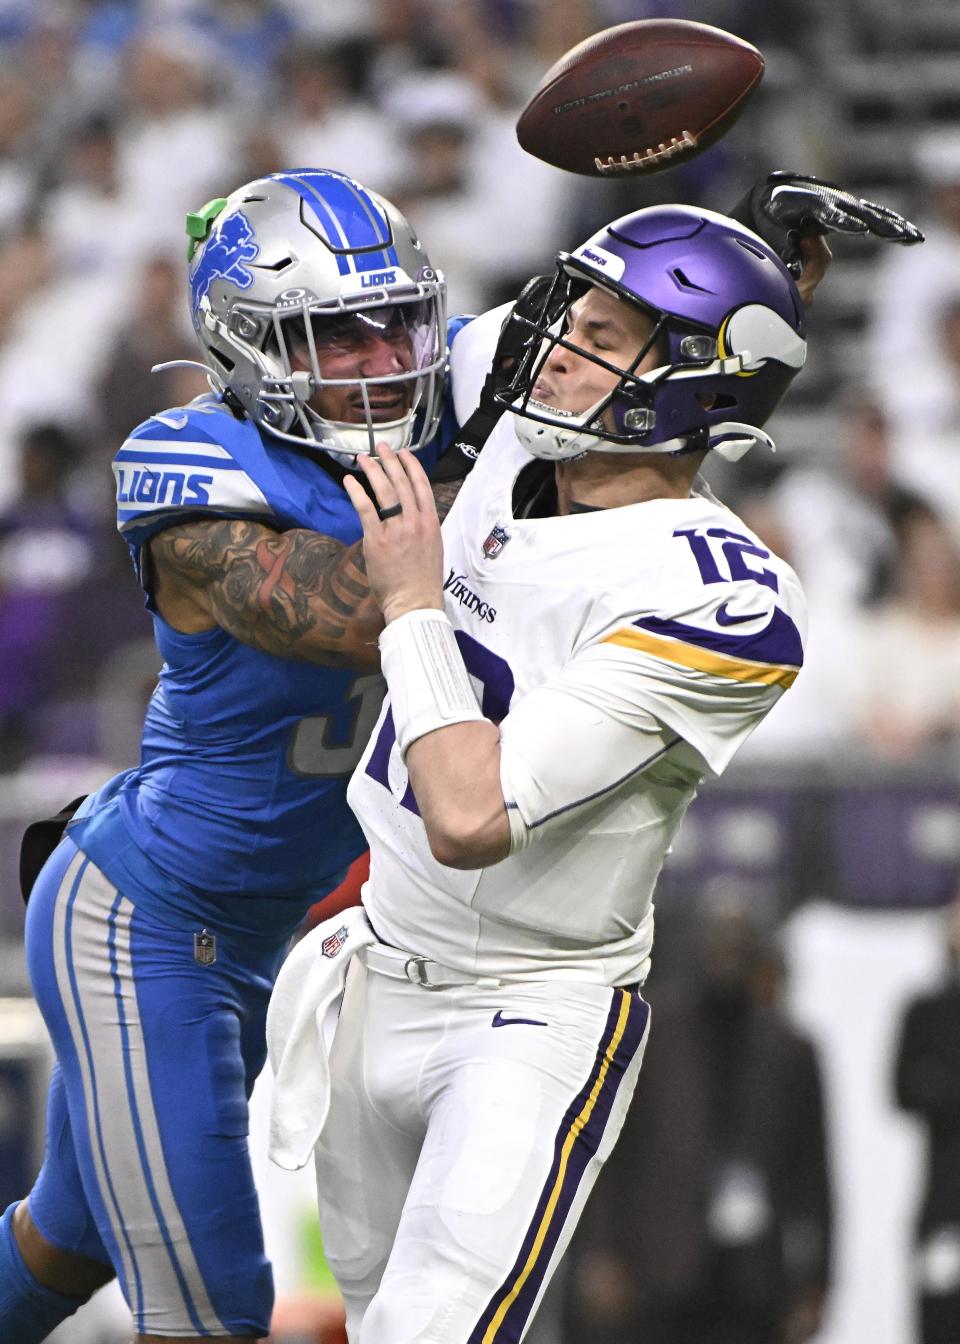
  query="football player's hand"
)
[
  {"x": 814, "y": 205},
  {"x": 785, "y": 208},
  {"x": 401, "y": 533}
]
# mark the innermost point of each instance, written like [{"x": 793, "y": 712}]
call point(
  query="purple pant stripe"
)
[{"x": 584, "y": 1148}]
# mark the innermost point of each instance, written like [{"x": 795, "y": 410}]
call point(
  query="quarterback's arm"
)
[
  {"x": 482, "y": 791},
  {"x": 455, "y": 777},
  {"x": 486, "y": 792},
  {"x": 296, "y": 594}
]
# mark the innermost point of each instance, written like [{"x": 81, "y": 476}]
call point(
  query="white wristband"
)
[{"x": 426, "y": 677}]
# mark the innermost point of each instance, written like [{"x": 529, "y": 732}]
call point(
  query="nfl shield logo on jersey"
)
[
  {"x": 332, "y": 945},
  {"x": 495, "y": 543},
  {"x": 204, "y": 948}
]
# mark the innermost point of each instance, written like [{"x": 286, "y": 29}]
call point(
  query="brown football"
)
[{"x": 639, "y": 97}]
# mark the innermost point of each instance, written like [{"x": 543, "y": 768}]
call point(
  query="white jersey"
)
[{"x": 667, "y": 630}]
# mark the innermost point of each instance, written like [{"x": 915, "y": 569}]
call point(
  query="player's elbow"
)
[
  {"x": 467, "y": 842},
  {"x": 455, "y": 774}
]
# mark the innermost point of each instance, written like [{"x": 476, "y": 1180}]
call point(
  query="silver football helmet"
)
[{"x": 319, "y": 313}]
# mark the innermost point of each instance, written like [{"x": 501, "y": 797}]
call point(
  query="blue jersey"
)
[{"x": 237, "y": 813}]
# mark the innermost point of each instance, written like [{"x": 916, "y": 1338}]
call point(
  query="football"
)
[{"x": 639, "y": 97}]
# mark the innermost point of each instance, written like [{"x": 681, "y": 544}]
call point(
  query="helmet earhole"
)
[
  {"x": 244, "y": 326},
  {"x": 698, "y": 347}
]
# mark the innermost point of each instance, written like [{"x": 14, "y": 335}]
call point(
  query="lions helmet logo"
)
[{"x": 228, "y": 247}]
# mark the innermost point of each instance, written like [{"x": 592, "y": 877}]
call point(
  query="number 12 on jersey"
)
[{"x": 714, "y": 547}]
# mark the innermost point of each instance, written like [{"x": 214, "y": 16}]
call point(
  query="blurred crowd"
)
[
  {"x": 118, "y": 116},
  {"x": 720, "y": 1184}
]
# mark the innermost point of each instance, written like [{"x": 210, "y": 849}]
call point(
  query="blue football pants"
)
[{"x": 147, "y": 1162}]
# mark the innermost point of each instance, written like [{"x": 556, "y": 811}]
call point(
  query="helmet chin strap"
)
[
  {"x": 344, "y": 440},
  {"x": 556, "y": 443},
  {"x": 732, "y": 440},
  {"x": 348, "y": 442}
]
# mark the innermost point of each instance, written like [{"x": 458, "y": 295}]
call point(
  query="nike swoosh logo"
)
[
  {"x": 723, "y": 617},
  {"x": 500, "y": 1021},
  {"x": 171, "y": 421}
]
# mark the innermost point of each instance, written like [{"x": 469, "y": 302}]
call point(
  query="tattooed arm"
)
[
  {"x": 444, "y": 493},
  {"x": 295, "y": 594}
]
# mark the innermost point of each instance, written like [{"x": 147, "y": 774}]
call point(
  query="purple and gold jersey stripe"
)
[
  {"x": 777, "y": 642},
  {"x": 771, "y": 657},
  {"x": 577, "y": 1142}
]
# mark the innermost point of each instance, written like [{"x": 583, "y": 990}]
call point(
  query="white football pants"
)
[{"x": 466, "y": 1129}]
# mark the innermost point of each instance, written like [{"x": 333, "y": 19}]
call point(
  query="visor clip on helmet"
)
[{"x": 200, "y": 223}]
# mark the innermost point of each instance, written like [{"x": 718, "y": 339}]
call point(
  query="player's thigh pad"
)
[
  {"x": 523, "y": 1092},
  {"x": 151, "y": 1044},
  {"x": 364, "y": 1162}
]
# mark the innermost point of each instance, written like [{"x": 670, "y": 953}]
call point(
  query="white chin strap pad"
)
[
  {"x": 554, "y": 442},
  {"x": 353, "y": 441},
  {"x": 732, "y": 440}
]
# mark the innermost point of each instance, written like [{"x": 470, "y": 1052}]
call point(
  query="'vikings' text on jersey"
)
[{"x": 669, "y": 615}]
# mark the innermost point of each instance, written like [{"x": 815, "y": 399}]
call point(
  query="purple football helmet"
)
[{"x": 727, "y": 316}]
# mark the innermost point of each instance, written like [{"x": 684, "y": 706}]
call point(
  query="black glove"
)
[
  {"x": 784, "y": 207},
  {"x": 458, "y": 459}
]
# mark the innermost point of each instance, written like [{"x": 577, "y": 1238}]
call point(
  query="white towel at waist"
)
[{"x": 301, "y": 1021}]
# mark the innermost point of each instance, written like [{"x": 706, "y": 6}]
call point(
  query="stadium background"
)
[{"x": 841, "y": 820}]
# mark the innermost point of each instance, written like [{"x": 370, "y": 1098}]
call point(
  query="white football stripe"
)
[
  {"x": 151, "y": 487},
  {"x": 194, "y": 447},
  {"x": 62, "y": 958},
  {"x": 100, "y": 1045},
  {"x": 150, "y": 1133}
]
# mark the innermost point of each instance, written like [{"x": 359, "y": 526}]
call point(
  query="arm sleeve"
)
[
  {"x": 710, "y": 688},
  {"x": 626, "y": 707},
  {"x": 175, "y": 466},
  {"x": 578, "y": 741}
]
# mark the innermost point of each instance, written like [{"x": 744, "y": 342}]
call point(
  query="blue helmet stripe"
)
[
  {"x": 349, "y": 218},
  {"x": 329, "y": 223},
  {"x": 373, "y": 261},
  {"x": 365, "y": 224}
]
